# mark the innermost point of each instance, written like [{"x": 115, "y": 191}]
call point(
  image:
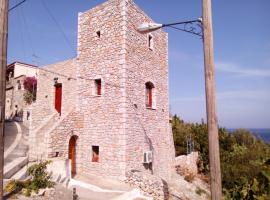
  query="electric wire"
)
[
  {"x": 67, "y": 41},
  {"x": 21, "y": 33},
  {"x": 59, "y": 27},
  {"x": 89, "y": 79},
  {"x": 27, "y": 31},
  {"x": 15, "y": 6}
]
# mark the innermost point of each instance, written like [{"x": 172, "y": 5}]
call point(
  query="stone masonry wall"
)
[
  {"x": 150, "y": 185},
  {"x": 102, "y": 57},
  {"x": 147, "y": 128},
  {"x": 43, "y": 113},
  {"x": 57, "y": 140},
  {"x": 8, "y": 106},
  {"x": 65, "y": 72},
  {"x": 15, "y": 97},
  {"x": 117, "y": 121}
]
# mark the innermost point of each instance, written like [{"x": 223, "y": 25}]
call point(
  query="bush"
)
[
  {"x": 39, "y": 179},
  {"x": 244, "y": 159},
  {"x": 13, "y": 186}
]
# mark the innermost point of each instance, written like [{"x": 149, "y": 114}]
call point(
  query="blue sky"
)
[{"x": 241, "y": 44}]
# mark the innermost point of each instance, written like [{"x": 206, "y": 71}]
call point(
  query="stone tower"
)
[
  {"x": 114, "y": 110},
  {"x": 119, "y": 120}
]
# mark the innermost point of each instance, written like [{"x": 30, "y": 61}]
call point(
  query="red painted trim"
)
[
  {"x": 98, "y": 86},
  {"x": 58, "y": 98}
]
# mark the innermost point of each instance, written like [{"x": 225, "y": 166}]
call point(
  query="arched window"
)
[{"x": 149, "y": 97}]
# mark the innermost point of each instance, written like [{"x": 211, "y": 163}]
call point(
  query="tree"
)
[{"x": 245, "y": 159}]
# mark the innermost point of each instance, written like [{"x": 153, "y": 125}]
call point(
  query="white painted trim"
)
[{"x": 94, "y": 188}]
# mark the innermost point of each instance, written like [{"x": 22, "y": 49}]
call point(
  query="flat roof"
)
[{"x": 25, "y": 64}]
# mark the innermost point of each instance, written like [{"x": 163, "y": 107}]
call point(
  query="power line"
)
[
  {"x": 21, "y": 34},
  {"x": 88, "y": 79},
  {"x": 28, "y": 33},
  {"x": 18, "y": 4},
  {"x": 59, "y": 27}
]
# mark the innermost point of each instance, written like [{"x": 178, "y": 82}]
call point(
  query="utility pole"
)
[
  {"x": 3, "y": 64},
  {"x": 210, "y": 91}
]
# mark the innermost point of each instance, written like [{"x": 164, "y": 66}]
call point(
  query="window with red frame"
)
[
  {"x": 98, "y": 86},
  {"x": 149, "y": 94},
  {"x": 95, "y": 153}
]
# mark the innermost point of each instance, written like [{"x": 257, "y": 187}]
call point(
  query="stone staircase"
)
[
  {"x": 39, "y": 143},
  {"x": 41, "y": 133},
  {"x": 16, "y": 169}
]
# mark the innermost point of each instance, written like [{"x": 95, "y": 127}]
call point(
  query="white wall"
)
[{"x": 21, "y": 69}]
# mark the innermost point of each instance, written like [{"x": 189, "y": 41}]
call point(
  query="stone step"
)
[
  {"x": 17, "y": 154},
  {"x": 13, "y": 167},
  {"x": 21, "y": 147},
  {"x": 21, "y": 174}
]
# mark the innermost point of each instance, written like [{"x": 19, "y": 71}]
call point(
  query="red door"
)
[
  {"x": 72, "y": 154},
  {"x": 58, "y": 97}
]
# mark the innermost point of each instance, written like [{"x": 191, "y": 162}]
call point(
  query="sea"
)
[{"x": 262, "y": 133}]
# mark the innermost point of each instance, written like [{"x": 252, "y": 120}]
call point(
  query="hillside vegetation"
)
[{"x": 245, "y": 159}]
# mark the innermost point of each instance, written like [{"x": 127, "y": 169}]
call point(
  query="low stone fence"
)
[
  {"x": 188, "y": 162},
  {"x": 150, "y": 185}
]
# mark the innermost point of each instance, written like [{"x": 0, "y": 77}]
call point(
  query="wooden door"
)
[
  {"x": 72, "y": 154},
  {"x": 58, "y": 97}
]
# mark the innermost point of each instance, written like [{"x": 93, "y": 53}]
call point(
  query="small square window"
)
[
  {"x": 95, "y": 153},
  {"x": 98, "y": 86}
]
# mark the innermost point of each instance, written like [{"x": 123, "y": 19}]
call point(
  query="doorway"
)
[
  {"x": 72, "y": 154},
  {"x": 58, "y": 97}
]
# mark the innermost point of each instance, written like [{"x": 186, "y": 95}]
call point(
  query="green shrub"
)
[
  {"x": 244, "y": 159},
  {"x": 13, "y": 186},
  {"x": 39, "y": 179}
]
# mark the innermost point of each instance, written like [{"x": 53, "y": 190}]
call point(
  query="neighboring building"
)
[
  {"x": 107, "y": 109},
  {"x": 15, "y": 76}
]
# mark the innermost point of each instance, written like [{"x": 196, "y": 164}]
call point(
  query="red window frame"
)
[
  {"x": 58, "y": 97},
  {"x": 95, "y": 153},
  {"x": 98, "y": 86},
  {"x": 149, "y": 94}
]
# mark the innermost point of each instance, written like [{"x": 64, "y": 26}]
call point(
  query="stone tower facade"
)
[{"x": 117, "y": 105}]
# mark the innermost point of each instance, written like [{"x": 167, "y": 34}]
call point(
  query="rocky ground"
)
[
  {"x": 195, "y": 189},
  {"x": 59, "y": 192}
]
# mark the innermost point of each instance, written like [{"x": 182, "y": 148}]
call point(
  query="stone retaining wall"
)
[{"x": 149, "y": 184}]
